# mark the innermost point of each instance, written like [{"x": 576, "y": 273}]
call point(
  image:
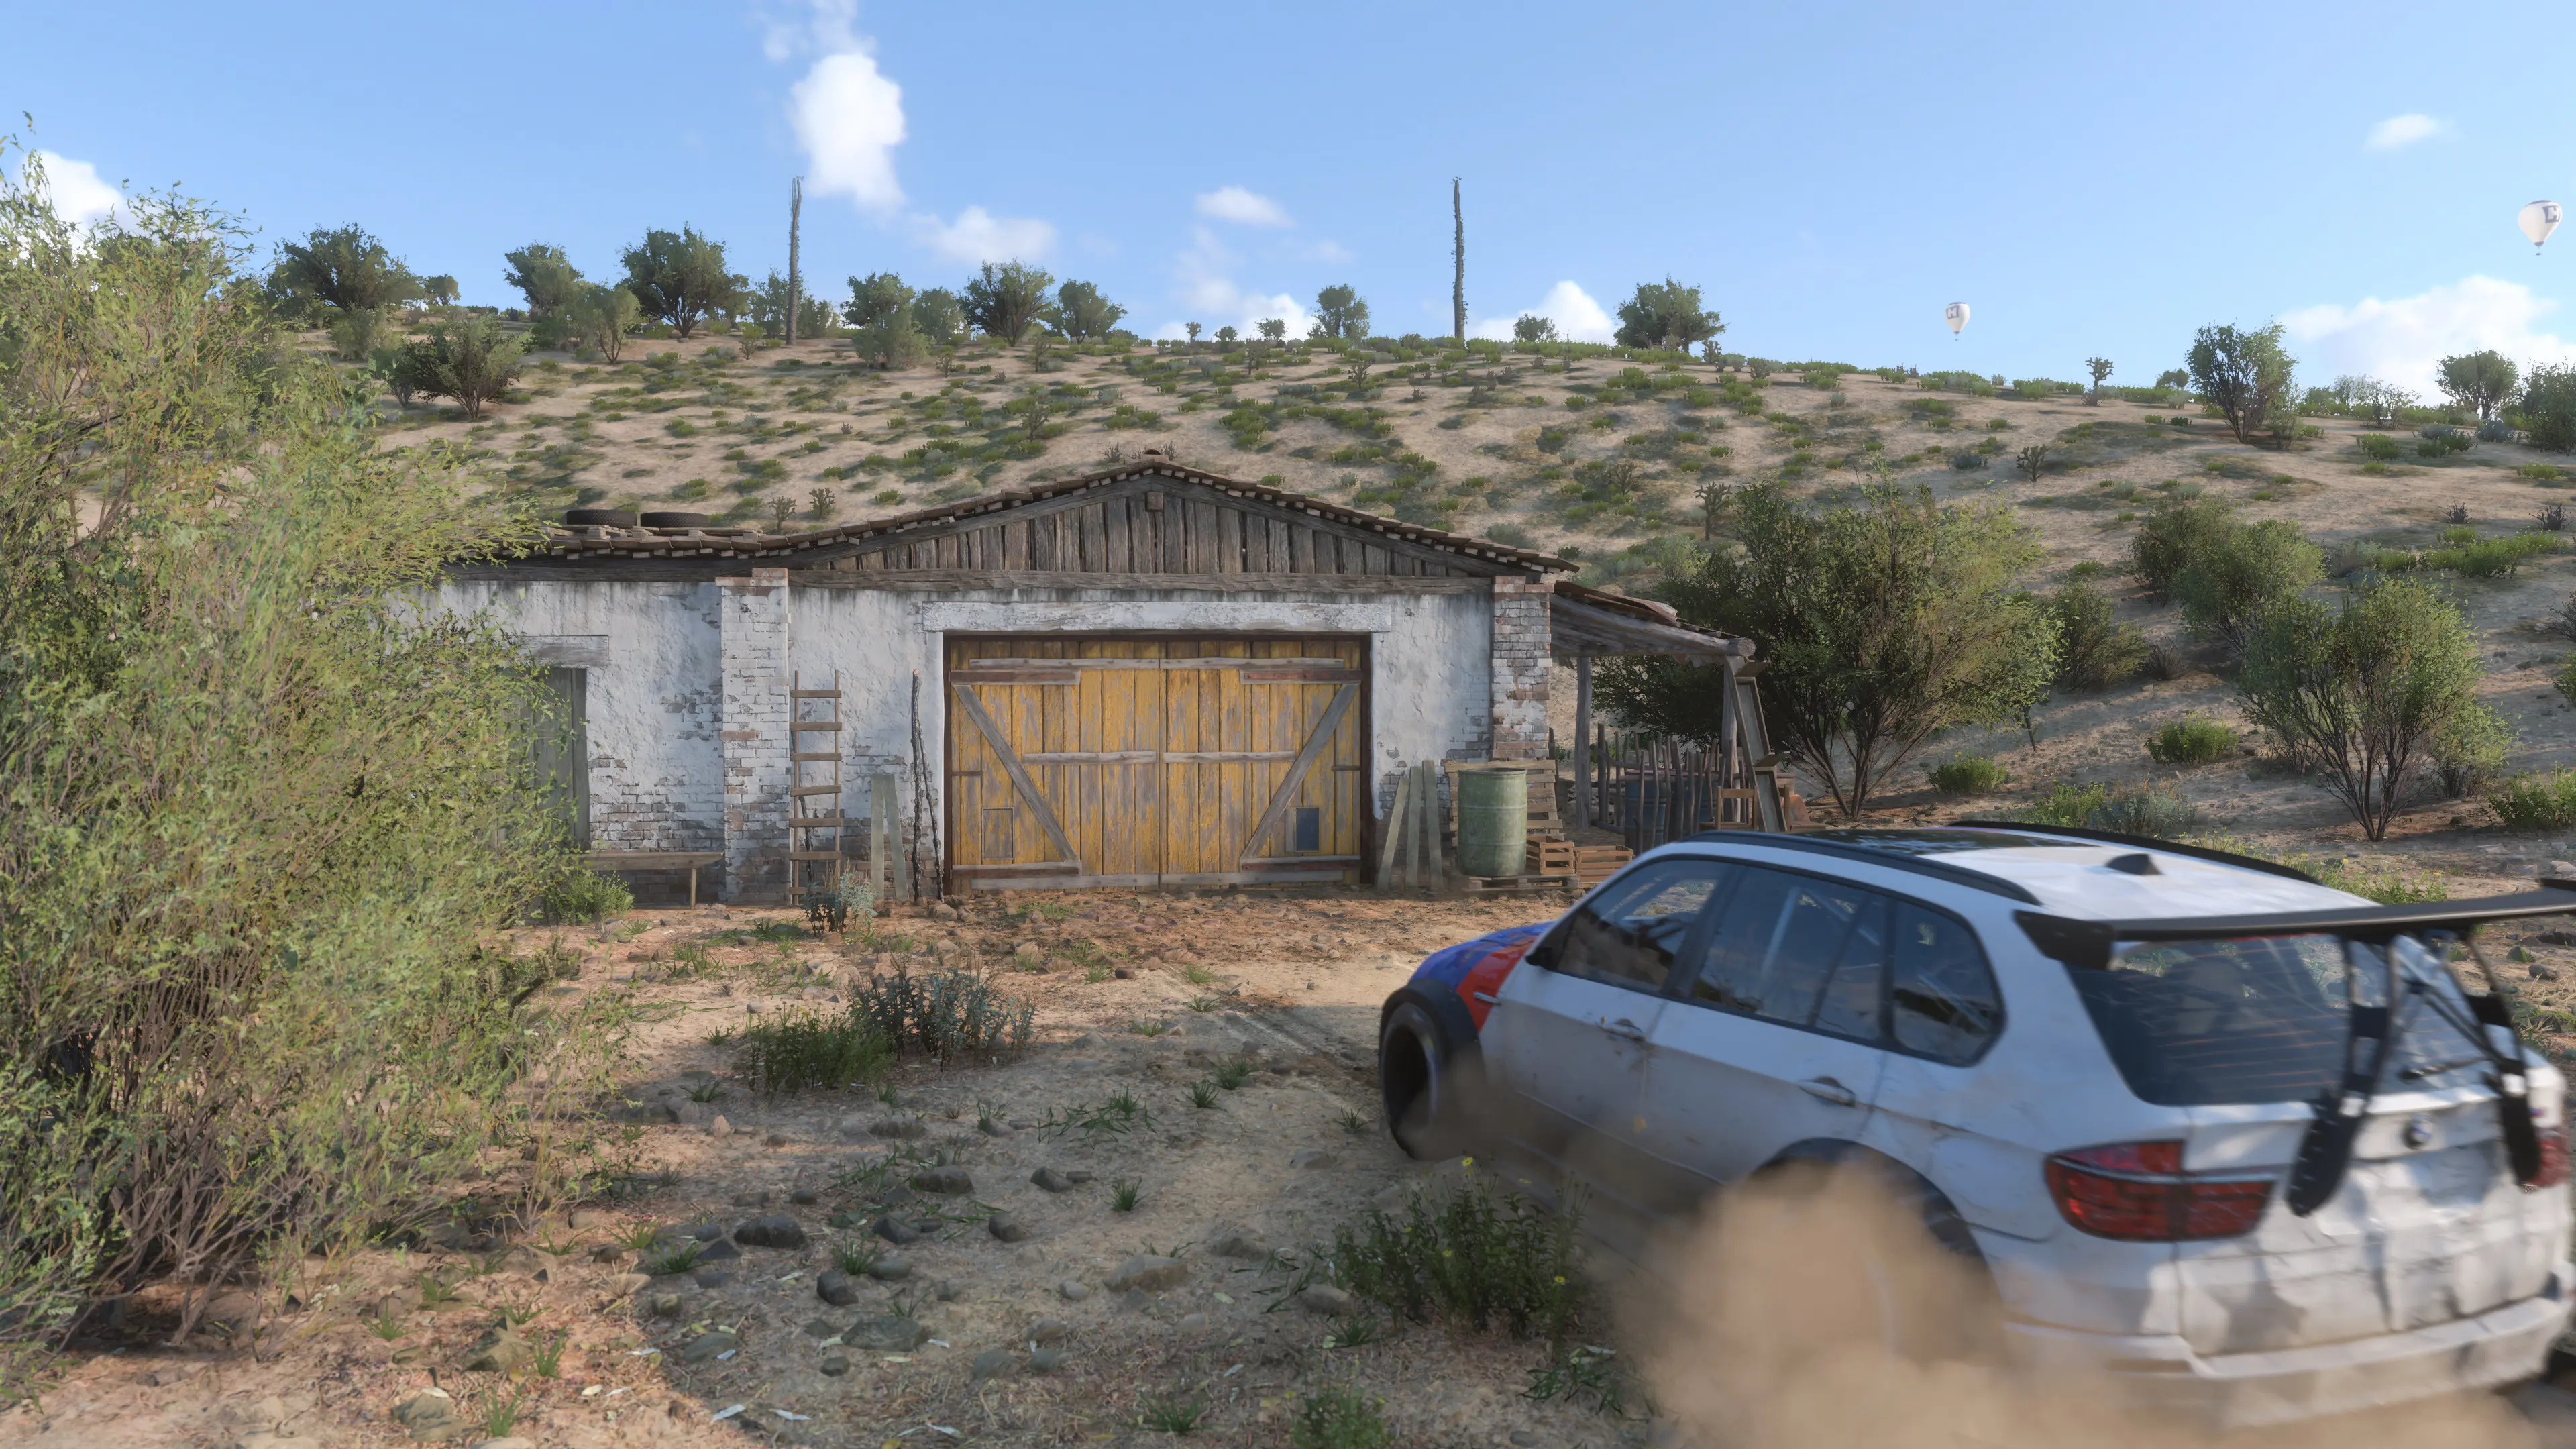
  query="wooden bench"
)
[{"x": 622, "y": 861}]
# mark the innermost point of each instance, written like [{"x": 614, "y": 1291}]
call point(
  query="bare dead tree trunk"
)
[{"x": 795, "y": 216}]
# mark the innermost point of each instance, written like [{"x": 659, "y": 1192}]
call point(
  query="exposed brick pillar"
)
[
  {"x": 755, "y": 735},
  {"x": 1521, "y": 667}
]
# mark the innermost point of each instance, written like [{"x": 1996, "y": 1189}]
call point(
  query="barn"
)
[{"x": 1148, "y": 675}]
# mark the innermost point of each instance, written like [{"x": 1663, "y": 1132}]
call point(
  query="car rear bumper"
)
[{"x": 2494, "y": 1349}]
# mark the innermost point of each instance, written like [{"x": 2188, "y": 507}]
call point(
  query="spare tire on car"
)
[
  {"x": 675, "y": 520},
  {"x": 600, "y": 517}
]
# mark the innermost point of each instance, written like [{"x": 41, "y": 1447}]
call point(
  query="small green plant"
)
[
  {"x": 1149, "y": 1026},
  {"x": 498, "y": 1415},
  {"x": 1203, "y": 1095},
  {"x": 672, "y": 1258},
  {"x": 1474, "y": 1255},
  {"x": 1119, "y": 1115},
  {"x": 856, "y": 1258},
  {"x": 2191, "y": 741},
  {"x": 952, "y": 1016},
  {"x": 2131, "y": 810},
  {"x": 385, "y": 1326},
  {"x": 515, "y": 1314},
  {"x": 1584, "y": 1376},
  {"x": 709, "y": 1090},
  {"x": 1097, "y": 974},
  {"x": 2536, "y": 802},
  {"x": 433, "y": 1292},
  {"x": 548, "y": 1363},
  {"x": 1198, "y": 975},
  {"x": 1968, "y": 775},
  {"x": 1355, "y": 1124},
  {"x": 2379, "y": 447},
  {"x": 638, "y": 1237},
  {"x": 583, "y": 895},
  {"x": 1124, "y": 1194},
  {"x": 1337, "y": 1416},
  {"x": 1172, "y": 1413},
  {"x": 1205, "y": 1004},
  {"x": 804, "y": 1049},
  {"x": 1234, "y": 1074}
]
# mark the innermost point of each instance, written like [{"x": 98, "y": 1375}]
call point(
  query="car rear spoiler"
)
[{"x": 2088, "y": 944}]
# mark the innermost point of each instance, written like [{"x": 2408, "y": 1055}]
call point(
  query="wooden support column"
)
[{"x": 1583, "y": 739}]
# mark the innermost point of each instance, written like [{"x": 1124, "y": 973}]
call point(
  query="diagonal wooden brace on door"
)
[
  {"x": 1316, "y": 744},
  {"x": 1018, "y": 772}
]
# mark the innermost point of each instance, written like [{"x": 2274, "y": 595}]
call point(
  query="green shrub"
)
[
  {"x": 2541, "y": 472},
  {"x": 2379, "y": 446},
  {"x": 2469, "y": 752},
  {"x": 2228, "y": 586},
  {"x": 1968, "y": 775},
  {"x": 952, "y": 1015},
  {"x": 1473, "y": 1256},
  {"x": 2549, "y": 408},
  {"x": 2174, "y": 536},
  {"x": 2193, "y": 741},
  {"x": 2536, "y": 802},
  {"x": 584, "y": 895},
  {"x": 2095, "y": 648},
  {"x": 1337, "y": 1416},
  {"x": 2131, "y": 810},
  {"x": 2490, "y": 558},
  {"x": 804, "y": 1049}
]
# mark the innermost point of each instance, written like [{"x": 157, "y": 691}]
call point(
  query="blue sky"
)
[{"x": 2090, "y": 179}]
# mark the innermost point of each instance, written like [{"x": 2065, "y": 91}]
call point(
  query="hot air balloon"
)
[
  {"x": 1956, "y": 314},
  {"x": 2538, "y": 220}
]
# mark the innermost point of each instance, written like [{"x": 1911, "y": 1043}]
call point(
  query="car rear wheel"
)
[{"x": 1424, "y": 1081}]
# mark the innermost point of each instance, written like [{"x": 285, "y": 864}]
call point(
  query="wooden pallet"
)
[
  {"x": 1585, "y": 865},
  {"x": 1491, "y": 885}
]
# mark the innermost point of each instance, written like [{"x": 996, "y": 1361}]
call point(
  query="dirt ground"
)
[{"x": 1288, "y": 985}]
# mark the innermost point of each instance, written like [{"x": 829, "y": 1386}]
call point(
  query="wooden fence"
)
[{"x": 1650, "y": 791}]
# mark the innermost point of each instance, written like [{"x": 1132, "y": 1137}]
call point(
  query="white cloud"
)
[
  {"x": 1577, "y": 317},
  {"x": 75, "y": 190},
  {"x": 849, "y": 119},
  {"x": 979, "y": 236},
  {"x": 1242, "y": 207},
  {"x": 2404, "y": 340},
  {"x": 1320, "y": 251},
  {"x": 2406, "y": 130},
  {"x": 1212, "y": 298}
]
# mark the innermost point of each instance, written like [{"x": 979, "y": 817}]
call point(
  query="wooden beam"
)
[
  {"x": 974, "y": 710},
  {"x": 961, "y": 580},
  {"x": 1316, "y": 742}
]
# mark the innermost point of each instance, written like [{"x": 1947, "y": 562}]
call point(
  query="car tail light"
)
[
  {"x": 2137, "y": 1192},
  {"x": 2553, "y": 1158}
]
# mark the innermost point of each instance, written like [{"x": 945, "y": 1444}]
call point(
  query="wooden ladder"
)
[
  {"x": 1741, "y": 726},
  {"x": 814, "y": 868}
]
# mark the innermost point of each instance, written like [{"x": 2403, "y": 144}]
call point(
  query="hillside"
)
[{"x": 1594, "y": 458}]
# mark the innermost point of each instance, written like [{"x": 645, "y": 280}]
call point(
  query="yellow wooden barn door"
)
[{"x": 1091, "y": 760}]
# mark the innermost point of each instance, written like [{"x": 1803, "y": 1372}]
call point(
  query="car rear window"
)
[{"x": 2199, "y": 1023}]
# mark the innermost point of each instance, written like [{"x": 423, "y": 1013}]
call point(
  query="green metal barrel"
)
[{"x": 1493, "y": 819}]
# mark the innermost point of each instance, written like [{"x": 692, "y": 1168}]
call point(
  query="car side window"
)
[
  {"x": 1942, "y": 999},
  {"x": 1798, "y": 950},
  {"x": 1628, "y": 934}
]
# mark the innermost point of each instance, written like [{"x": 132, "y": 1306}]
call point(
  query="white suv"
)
[{"x": 2158, "y": 1092}]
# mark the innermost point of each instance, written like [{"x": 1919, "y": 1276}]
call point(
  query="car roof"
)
[{"x": 2087, "y": 875}]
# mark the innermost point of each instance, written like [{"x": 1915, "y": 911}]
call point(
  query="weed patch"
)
[{"x": 805, "y": 1049}]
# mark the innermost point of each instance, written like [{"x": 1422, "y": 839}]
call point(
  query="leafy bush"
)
[
  {"x": 2549, "y": 407},
  {"x": 2491, "y": 558},
  {"x": 1967, "y": 462},
  {"x": 2095, "y": 648},
  {"x": 2194, "y": 741},
  {"x": 2174, "y": 536},
  {"x": 2131, "y": 810},
  {"x": 2470, "y": 751},
  {"x": 2379, "y": 446},
  {"x": 2536, "y": 802},
  {"x": 951, "y": 1015},
  {"x": 1968, "y": 775},
  {"x": 584, "y": 895},
  {"x": 1337, "y": 1416},
  {"x": 2227, "y": 587},
  {"x": 804, "y": 1049},
  {"x": 2496, "y": 430},
  {"x": 260, "y": 812},
  {"x": 1462, "y": 1257}
]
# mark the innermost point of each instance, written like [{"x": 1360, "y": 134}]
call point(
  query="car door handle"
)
[
  {"x": 1829, "y": 1089},
  {"x": 1624, "y": 1029}
]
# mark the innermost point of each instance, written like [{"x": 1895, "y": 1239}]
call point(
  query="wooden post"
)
[
  {"x": 1395, "y": 812},
  {"x": 882, "y": 834},
  {"x": 1582, "y": 739},
  {"x": 1426, "y": 814}
]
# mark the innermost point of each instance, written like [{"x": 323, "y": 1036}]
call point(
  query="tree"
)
[
  {"x": 385, "y": 363},
  {"x": 600, "y": 316},
  {"x": 2032, "y": 460},
  {"x": 1084, "y": 315},
  {"x": 544, "y": 276},
  {"x": 469, "y": 359},
  {"x": 1273, "y": 330},
  {"x": 2173, "y": 377},
  {"x": 680, "y": 277},
  {"x": 346, "y": 269},
  {"x": 881, "y": 309},
  {"x": 938, "y": 317},
  {"x": 2244, "y": 373},
  {"x": 1531, "y": 327},
  {"x": 2549, "y": 406},
  {"x": 440, "y": 290},
  {"x": 769, "y": 305},
  {"x": 2230, "y": 584},
  {"x": 1225, "y": 339},
  {"x": 1458, "y": 278},
  {"x": 1007, "y": 300},
  {"x": 2378, "y": 402},
  {"x": 1881, "y": 623},
  {"x": 1665, "y": 314},
  {"x": 1192, "y": 328},
  {"x": 2363, "y": 695},
  {"x": 1340, "y": 312},
  {"x": 2100, "y": 367},
  {"x": 2480, "y": 380}
]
